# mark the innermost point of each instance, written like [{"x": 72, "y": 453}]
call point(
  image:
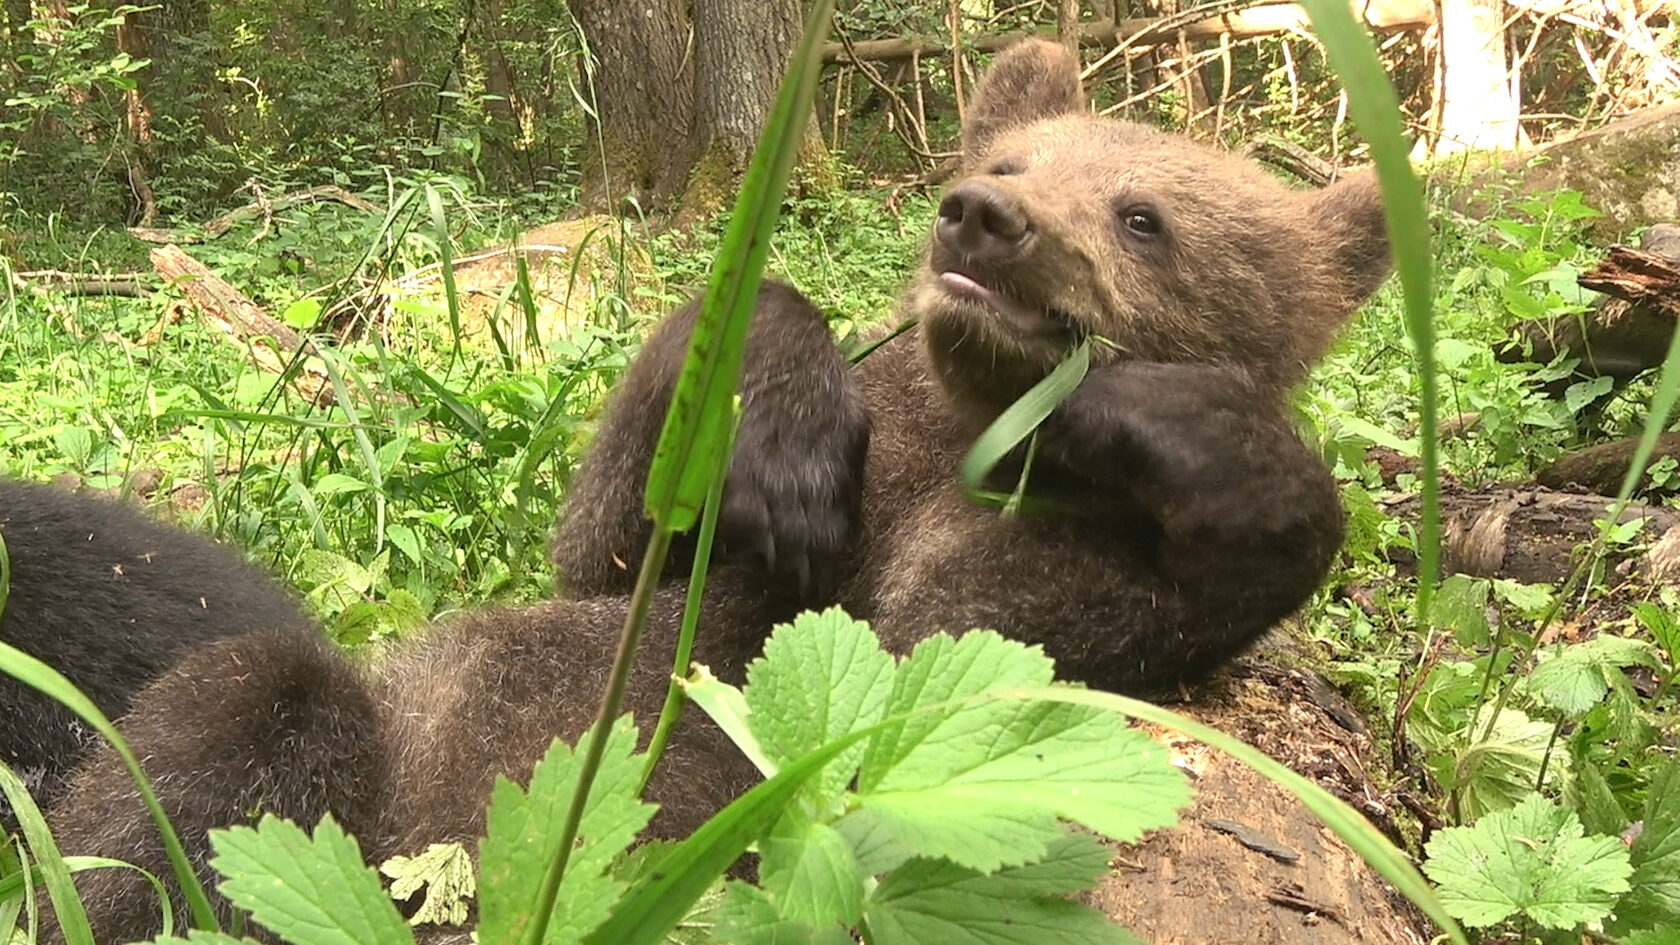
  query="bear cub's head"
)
[{"x": 1065, "y": 224}]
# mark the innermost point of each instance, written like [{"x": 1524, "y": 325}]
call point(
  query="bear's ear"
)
[
  {"x": 1349, "y": 219},
  {"x": 1031, "y": 80}
]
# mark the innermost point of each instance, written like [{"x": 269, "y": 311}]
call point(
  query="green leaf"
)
[
  {"x": 821, "y": 677},
  {"x": 1579, "y": 395},
  {"x": 937, "y": 901},
  {"x": 1574, "y": 678},
  {"x": 1375, "y": 109},
  {"x": 1461, "y": 606},
  {"x": 445, "y": 872},
  {"x": 521, "y": 830},
  {"x": 698, "y": 423},
  {"x": 43, "y": 678},
  {"x": 55, "y": 875},
  {"x": 1497, "y": 773},
  {"x": 1531, "y": 860},
  {"x": 1655, "y": 899},
  {"x": 314, "y": 890},
  {"x": 1594, "y": 802},
  {"x": 810, "y": 874},
  {"x": 984, "y": 785},
  {"x": 1024, "y": 416},
  {"x": 656, "y": 905},
  {"x": 727, "y": 707},
  {"x": 748, "y": 917}
]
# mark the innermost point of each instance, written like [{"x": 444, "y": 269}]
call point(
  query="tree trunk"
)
[
  {"x": 1480, "y": 104},
  {"x": 642, "y": 90},
  {"x": 742, "y": 48}
]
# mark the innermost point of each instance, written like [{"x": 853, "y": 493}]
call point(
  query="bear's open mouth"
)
[{"x": 1021, "y": 316}]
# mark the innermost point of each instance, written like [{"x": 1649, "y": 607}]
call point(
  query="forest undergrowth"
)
[{"x": 429, "y": 479}]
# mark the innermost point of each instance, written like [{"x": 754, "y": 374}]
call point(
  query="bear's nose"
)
[{"x": 981, "y": 222}]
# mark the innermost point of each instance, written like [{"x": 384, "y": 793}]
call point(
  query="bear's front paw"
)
[{"x": 793, "y": 498}]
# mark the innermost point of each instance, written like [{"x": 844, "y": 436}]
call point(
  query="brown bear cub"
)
[
  {"x": 111, "y": 599},
  {"x": 1180, "y": 514},
  {"x": 1185, "y": 516}
]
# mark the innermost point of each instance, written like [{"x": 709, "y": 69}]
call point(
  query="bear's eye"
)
[
  {"x": 1141, "y": 221},
  {"x": 1006, "y": 167}
]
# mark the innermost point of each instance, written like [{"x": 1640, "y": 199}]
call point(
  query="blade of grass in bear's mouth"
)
[{"x": 1023, "y": 417}]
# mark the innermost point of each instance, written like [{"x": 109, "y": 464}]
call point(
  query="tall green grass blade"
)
[
  {"x": 692, "y": 444},
  {"x": 1376, "y": 112},
  {"x": 11, "y": 884},
  {"x": 55, "y": 875},
  {"x": 674, "y": 697},
  {"x": 15, "y": 899},
  {"x": 1344, "y": 821},
  {"x": 32, "y": 672},
  {"x": 364, "y": 445},
  {"x": 1023, "y": 416},
  {"x": 697, "y": 424},
  {"x": 446, "y": 264}
]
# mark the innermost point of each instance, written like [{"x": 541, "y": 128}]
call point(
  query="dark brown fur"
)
[
  {"x": 111, "y": 599},
  {"x": 402, "y": 753},
  {"x": 1193, "y": 516}
]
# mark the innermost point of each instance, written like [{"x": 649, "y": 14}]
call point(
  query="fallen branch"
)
[
  {"x": 274, "y": 346},
  {"x": 264, "y": 207},
  {"x": 127, "y": 285}
]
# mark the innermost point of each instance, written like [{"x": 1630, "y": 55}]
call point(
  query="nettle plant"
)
[{"x": 928, "y": 799}]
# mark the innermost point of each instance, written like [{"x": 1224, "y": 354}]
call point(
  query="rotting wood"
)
[
  {"x": 1533, "y": 534},
  {"x": 1602, "y": 468},
  {"x": 1202, "y": 883},
  {"x": 265, "y": 207},
  {"x": 273, "y": 346}
]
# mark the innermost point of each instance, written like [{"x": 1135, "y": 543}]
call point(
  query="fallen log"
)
[
  {"x": 128, "y": 285},
  {"x": 273, "y": 346},
  {"x": 1533, "y": 534},
  {"x": 1602, "y": 468},
  {"x": 1628, "y": 332},
  {"x": 265, "y": 207}
]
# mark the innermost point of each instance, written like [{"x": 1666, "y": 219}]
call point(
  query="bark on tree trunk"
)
[
  {"x": 643, "y": 94},
  {"x": 741, "y": 52},
  {"x": 1480, "y": 106}
]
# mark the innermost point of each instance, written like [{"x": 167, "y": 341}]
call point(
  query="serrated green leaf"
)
[
  {"x": 1668, "y": 936},
  {"x": 820, "y": 677},
  {"x": 1531, "y": 860},
  {"x": 748, "y": 917},
  {"x": 940, "y": 669},
  {"x": 986, "y": 789},
  {"x": 1497, "y": 773},
  {"x": 523, "y": 827},
  {"x": 1594, "y": 802},
  {"x": 936, "y": 901},
  {"x": 445, "y": 871},
  {"x": 1574, "y": 678},
  {"x": 809, "y": 872},
  {"x": 306, "y": 889},
  {"x": 1655, "y": 899},
  {"x": 1461, "y": 606}
]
